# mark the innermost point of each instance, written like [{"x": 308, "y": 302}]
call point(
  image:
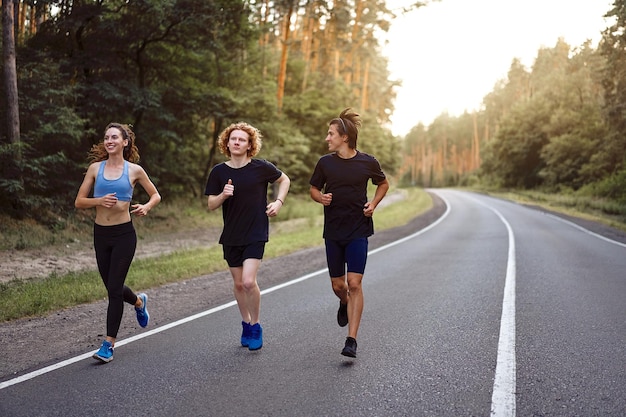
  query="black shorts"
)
[
  {"x": 235, "y": 255},
  {"x": 346, "y": 254}
]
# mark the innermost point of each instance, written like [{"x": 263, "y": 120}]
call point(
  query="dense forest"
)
[{"x": 180, "y": 71}]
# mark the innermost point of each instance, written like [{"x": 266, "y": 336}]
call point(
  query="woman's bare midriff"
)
[{"x": 118, "y": 214}]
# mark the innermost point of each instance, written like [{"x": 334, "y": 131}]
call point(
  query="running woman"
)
[{"x": 113, "y": 174}]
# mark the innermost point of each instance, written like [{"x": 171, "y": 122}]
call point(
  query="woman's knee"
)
[{"x": 115, "y": 291}]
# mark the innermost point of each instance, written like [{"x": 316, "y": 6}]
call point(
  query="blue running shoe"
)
[
  {"x": 245, "y": 334},
  {"x": 255, "y": 341},
  {"x": 142, "y": 313},
  {"x": 105, "y": 353}
]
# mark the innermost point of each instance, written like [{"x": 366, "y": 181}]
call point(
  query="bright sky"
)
[{"x": 450, "y": 54}]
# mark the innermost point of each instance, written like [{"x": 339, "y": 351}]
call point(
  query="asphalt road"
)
[{"x": 494, "y": 309}]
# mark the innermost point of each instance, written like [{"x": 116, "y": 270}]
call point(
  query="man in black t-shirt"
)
[
  {"x": 339, "y": 183},
  {"x": 239, "y": 186}
]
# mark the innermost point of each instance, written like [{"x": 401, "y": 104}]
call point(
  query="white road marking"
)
[
  {"x": 504, "y": 383},
  {"x": 83, "y": 356},
  {"x": 503, "y": 396}
]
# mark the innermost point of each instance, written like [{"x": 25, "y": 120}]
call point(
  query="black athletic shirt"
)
[
  {"x": 245, "y": 221},
  {"x": 347, "y": 180}
]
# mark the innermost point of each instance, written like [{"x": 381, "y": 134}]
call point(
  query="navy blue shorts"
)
[
  {"x": 235, "y": 255},
  {"x": 340, "y": 253}
]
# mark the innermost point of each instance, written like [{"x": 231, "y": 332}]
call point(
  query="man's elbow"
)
[{"x": 212, "y": 204}]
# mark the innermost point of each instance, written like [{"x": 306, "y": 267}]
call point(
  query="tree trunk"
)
[
  {"x": 355, "y": 42},
  {"x": 265, "y": 39},
  {"x": 310, "y": 25},
  {"x": 475, "y": 144},
  {"x": 217, "y": 129},
  {"x": 282, "y": 73},
  {"x": 365, "y": 87},
  {"x": 10, "y": 75},
  {"x": 13, "y": 167},
  {"x": 21, "y": 21}
]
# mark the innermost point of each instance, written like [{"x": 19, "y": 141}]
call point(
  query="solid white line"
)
[
  {"x": 75, "y": 359},
  {"x": 424, "y": 230},
  {"x": 504, "y": 384},
  {"x": 78, "y": 358},
  {"x": 503, "y": 402},
  {"x": 589, "y": 232}
]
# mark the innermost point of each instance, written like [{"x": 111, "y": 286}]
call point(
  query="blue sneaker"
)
[
  {"x": 245, "y": 334},
  {"x": 142, "y": 313},
  {"x": 255, "y": 341},
  {"x": 105, "y": 353}
]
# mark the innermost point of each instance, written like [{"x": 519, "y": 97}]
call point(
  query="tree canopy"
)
[{"x": 179, "y": 71}]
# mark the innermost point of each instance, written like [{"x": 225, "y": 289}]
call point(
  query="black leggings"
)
[{"x": 115, "y": 249}]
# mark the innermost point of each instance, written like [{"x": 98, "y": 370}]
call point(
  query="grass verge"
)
[
  {"x": 37, "y": 297},
  {"x": 600, "y": 210}
]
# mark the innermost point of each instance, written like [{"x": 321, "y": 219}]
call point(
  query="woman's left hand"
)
[{"x": 140, "y": 209}]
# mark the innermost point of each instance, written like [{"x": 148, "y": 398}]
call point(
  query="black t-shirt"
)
[
  {"x": 245, "y": 221},
  {"x": 347, "y": 180}
]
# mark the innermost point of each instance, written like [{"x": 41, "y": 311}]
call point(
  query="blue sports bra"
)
[{"x": 121, "y": 186}]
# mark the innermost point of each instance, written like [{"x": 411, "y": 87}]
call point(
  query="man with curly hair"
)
[{"x": 240, "y": 186}]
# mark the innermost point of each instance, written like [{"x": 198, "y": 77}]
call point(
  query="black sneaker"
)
[
  {"x": 350, "y": 348},
  {"x": 342, "y": 315}
]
